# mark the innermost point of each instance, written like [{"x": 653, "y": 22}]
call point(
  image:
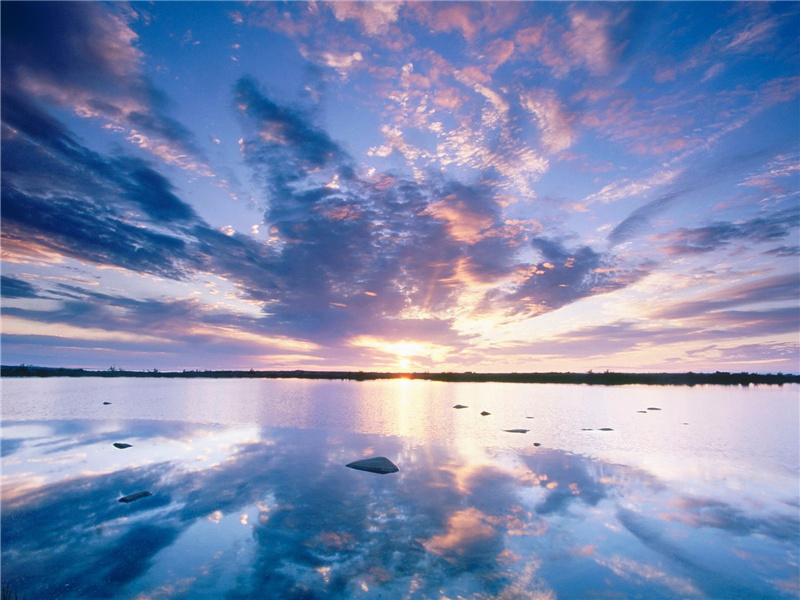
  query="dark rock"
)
[
  {"x": 644, "y": 412},
  {"x": 460, "y": 406},
  {"x": 536, "y": 444},
  {"x": 516, "y": 430},
  {"x": 605, "y": 429},
  {"x": 653, "y": 408},
  {"x": 484, "y": 413},
  {"x": 376, "y": 464},
  {"x": 134, "y": 497},
  {"x": 587, "y": 429},
  {"x": 106, "y": 402},
  {"x": 528, "y": 417},
  {"x": 121, "y": 445}
]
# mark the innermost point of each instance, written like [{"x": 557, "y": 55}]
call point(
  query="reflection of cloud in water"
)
[{"x": 280, "y": 516}]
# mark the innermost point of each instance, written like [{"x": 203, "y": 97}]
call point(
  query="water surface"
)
[{"x": 251, "y": 498}]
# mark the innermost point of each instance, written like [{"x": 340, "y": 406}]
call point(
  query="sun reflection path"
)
[{"x": 274, "y": 513}]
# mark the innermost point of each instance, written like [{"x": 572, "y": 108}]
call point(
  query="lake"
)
[{"x": 251, "y": 498}]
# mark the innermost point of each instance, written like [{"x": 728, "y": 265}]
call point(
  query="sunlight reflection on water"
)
[{"x": 251, "y": 498}]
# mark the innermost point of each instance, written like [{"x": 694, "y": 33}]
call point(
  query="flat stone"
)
[
  {"x": 121, "y": 445},
  {"x": 653, "y": 408},
  {"x": 106, "y": 402},
  {"x": 134, "y": 497},
  {"x": 516, "y": 430},
  {"x": 642, "y": 411},
  {"x": 484, "y": 413},
  {"x": 585, "y": 429},
  {"x": 460, "y": 406},
  {"x": 536, "y": 444},
  {"x": 605, "y": 429},
  {"x": 376, "y": 464},
  {"x": 528, "y": 417}
]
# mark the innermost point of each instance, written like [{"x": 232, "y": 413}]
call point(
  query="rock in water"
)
[
  {"x": 642, "y": 411},
  {"x": 528, "y": 417},
  {"x": 605, "y": 429},
  {"x": 134, "y": 497},
  {"x": 587, "y": 429},
  {"x": 536, "y": 444},
  {"x": 121, "y": 445},
  {"x": 484, "y": 413},
  {"x": 106, "y": 402},
  {"x": 460, "y": 406},
  {"x": 653, "y": 408},
  {"x": 516, "y": 430},
  {"x": 377, "y": 464}
]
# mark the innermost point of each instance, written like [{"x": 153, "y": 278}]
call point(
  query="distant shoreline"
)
[{"x": 590, "y": 378}]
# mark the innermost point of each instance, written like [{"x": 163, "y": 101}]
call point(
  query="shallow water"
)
[{"x": 251, "y": 498}]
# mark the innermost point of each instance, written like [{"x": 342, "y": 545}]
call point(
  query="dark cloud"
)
[
  {"x": 348, "y": 253},
  {"x": 780, "y": 288},
  {"x": 17, "y": 288},
  {"x": 784, "y": 251},
  {"x": 701, "y": 175},
  {"x": 82, "y": 55},
  {"x": 703, "y": 573},
  {"x": 701, "y": 512},
  {"x": 565, "y": 275},
  {"x": 311, "y": 147},
  {"x": 77, "y": 229},
  {"x": 700, "y": 240},
  {"x": 317, "y": 529}
]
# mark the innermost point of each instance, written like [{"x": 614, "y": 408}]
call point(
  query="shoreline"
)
[{"x": 590, "y": 378}]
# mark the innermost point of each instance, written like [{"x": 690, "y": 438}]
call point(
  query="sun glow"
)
[{"x": 407, "y": 354}]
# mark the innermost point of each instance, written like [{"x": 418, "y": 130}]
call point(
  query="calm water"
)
[{"x": 251, "y": 498}]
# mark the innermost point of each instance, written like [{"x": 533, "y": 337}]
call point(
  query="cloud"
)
[
  {"x": 704, "y": 576},
  {"x": 589, "y": 41},
  {"x": 17, "y": 288},
  {"x": 83, "y": 56},
  {"x": 779, "y": 288},
  {"x": 772, "y": 228},
  {"x": 374, "y": 17},
  {"x": 565, "y": 275},
  {"x": 348, "y": 255},
  {"x": 551, "y": 118}
]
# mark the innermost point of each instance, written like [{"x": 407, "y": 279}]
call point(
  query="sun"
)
[{"x": 406, "y": 353}]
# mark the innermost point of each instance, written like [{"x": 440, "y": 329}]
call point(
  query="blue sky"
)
[{"x": 442, "y": 186}]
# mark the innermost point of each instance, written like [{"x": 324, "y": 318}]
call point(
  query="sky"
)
[{"x": 397, "y": 186}]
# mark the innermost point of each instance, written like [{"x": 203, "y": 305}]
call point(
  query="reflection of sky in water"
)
[{"x": 257, "y": 511}]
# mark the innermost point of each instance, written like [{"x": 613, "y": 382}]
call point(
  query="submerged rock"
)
[
  {"x": 653, "y": 408},
  {"x": 605, "y": 429},
  {"x": 460, "y": 406},
  {"x": 376, "y": 464},
  {"x": 642, "y": 411},
  {"x": 587, "y": 429},
  {"x": 106, "y": 402},
  {"x": 134, "y": 497},
  {"x": 484, "y": 413},
  {"x": 121, "y": 445},
  {"x": 516, "y": 430}
]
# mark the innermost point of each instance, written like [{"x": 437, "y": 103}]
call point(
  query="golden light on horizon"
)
[{"x": 407, "y": 354}]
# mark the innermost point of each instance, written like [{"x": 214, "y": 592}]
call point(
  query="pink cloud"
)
[
  {"x": 752, "y": 34},
  {"x": 374, "y": 17},
  {"x": 589, "y": 42},
  {"x": 551, "y": 118},
  {"x": 529, "y": 37},
  {"x": 448, "y": 17},
  {"x": 498, "y": 52}
]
